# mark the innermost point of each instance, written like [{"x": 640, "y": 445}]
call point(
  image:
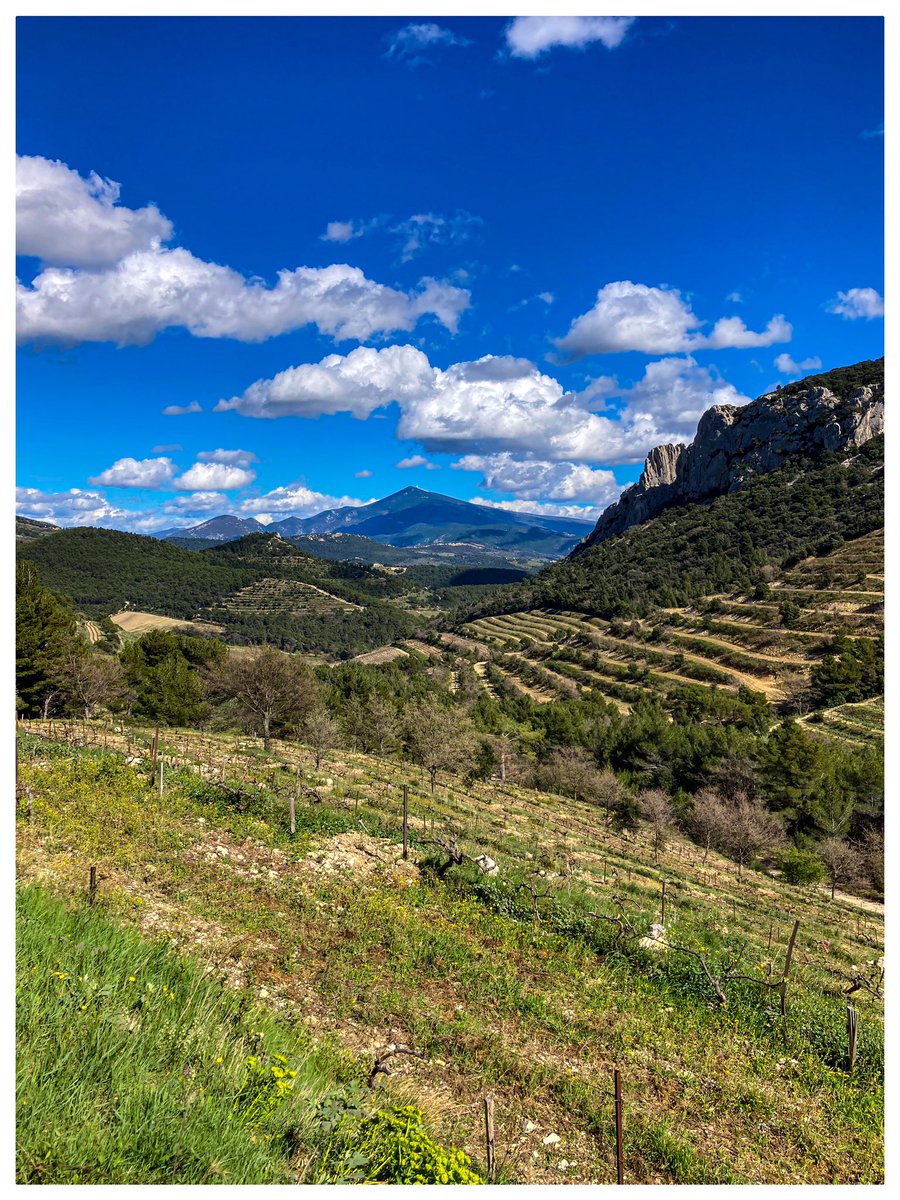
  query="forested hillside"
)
[{"x": 686, "y": 553}]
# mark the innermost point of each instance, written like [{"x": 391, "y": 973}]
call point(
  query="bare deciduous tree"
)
[
  {"x": 270, "y": 688},
  {"x": 569, "y": 772},
  {"x": 797, "y": 691},
  {"x": 655, "y": 806},
  {"x": 321, "y": 732},
  {"x": 90, "y": 679},
  {"x": 383, "y": 724},
  {"x": 610, "y": 794},
  {"x": 709, "y": 819},
  {"x": 750, "y": 830},
  {"x": 439, "y": 737},
  {"x": 871, "y": 848},
  {"x": 843, "y": 862}
]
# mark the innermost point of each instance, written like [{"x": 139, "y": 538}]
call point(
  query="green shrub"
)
[{"x": 801, "y": 866}]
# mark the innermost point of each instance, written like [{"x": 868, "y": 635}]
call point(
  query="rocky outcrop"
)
[{"x": 733, "y": 443}]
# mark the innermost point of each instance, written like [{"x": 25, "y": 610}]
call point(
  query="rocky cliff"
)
[{"x": 819, "y": 415}]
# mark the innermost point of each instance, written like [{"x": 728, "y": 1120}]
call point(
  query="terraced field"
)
[
  {"x": 285, "y": 596},
  {"x": 860, "y": 724},
  {"x": 730, "y": 641}
]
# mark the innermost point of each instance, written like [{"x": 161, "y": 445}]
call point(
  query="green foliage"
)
[
  {"x": 790, "y": 614},
  {"x": 45, "y": 629},
  {"x": 267, "y": 1084},
  {"x": 477, "y": 981},
  {"x": 102, "y": 569},
  {"x": 163, "y": 677},
  {"x": 132, "y": 1063},
  {"x": 853, "y": 671},
  {"x": 801, "y": 866},
  {"x": 400, "y": 1151}
]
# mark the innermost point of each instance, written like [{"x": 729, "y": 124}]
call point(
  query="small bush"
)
[
  {"x": 801, "y": 866},
  {"x": 399, "y": 1150}
]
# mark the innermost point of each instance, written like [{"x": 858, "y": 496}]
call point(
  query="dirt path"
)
[{"x": 871, "y": 906}]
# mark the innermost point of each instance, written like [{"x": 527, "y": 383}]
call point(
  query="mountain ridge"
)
[
  {"x": 412, "y": 517},
  {"x": 837, "y": 411}
]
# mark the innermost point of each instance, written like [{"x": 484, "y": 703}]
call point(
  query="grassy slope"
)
[
  {"x": 539, "y": 1012},
  {"x": 132, "y": 1059}
]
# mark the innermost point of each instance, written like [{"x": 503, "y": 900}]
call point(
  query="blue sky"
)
[{"x": 497, "y": 259}]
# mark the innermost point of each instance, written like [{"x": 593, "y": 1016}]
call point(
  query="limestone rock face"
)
[{"x": 733, "y": 443}]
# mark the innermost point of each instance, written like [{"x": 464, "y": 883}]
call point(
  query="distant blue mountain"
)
[{"x": 414, "y": 517}]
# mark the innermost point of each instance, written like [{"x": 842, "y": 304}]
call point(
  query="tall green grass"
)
[{"x": 132, "y": 1064}]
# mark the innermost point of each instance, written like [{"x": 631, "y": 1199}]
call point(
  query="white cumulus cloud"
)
[
  {"x": 652, "y": 320},
  {"x": 66, "y": 220},
  {"x": 581, "y": 512},
  {"x": 858, "y": 302},
  {"x": 131, "y": 287},
  {"x": 732, "y": 333},
  {"x": 416, "y": 460},
  {"x": 196, "y": 502},
  {"x": 229, "y": 458},
  {"x": 340, "y": 231},
  {"x": 181, "y": 410},
  {"x": 295, "y": 499},
  {"x": 74, "y": 507},
  {"x": 533, "y": 479},
  {"x": 787, "y": 365},
  {"x": 154, "y": 290},
  {"x": 136, "y": 473},
  {"x": 357, "y": 383},
  {"x": 529, "y": 37},
  {"x": 497, "y": 404},
  {"x": 213, "y": 476}
]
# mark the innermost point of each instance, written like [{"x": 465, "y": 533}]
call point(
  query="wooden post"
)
[
  {"x": 620, "y": 1158},
  {"x": 787, "y": 969},
  {"x": 154, "y": 754},
  {"x": 770, "y": 935},
  {"x": 294, "y": 800},
  {"x": 406, "y": 823},
  {"x": 162, "y": 765},
  {"x": 851, "y": 1037},
  {"x": 489, "y": 1136},
  {"x": 92, "y": 886},
  {"x": 663, "y": 918}
]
